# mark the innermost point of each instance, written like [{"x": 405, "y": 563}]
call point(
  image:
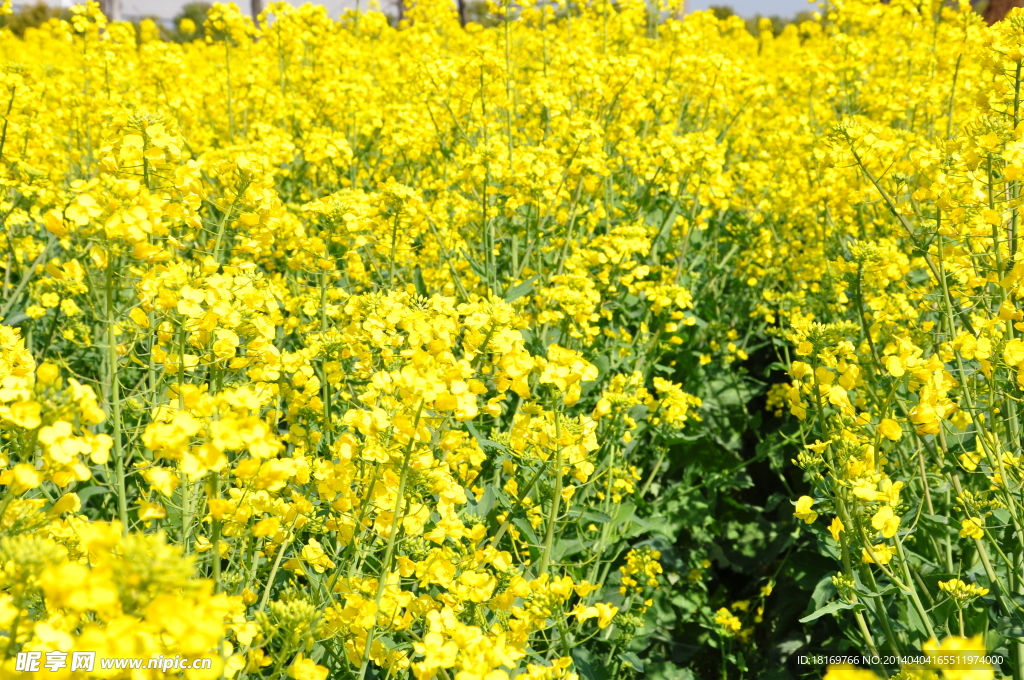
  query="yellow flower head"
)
[{"x": 803, "y": 510}]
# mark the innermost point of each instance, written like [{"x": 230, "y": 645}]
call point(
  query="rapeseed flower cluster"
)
[
  {"x": 337, "y": 348},
  {"x": 263, "y": 401}
]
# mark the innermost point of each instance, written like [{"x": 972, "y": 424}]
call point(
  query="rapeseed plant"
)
[{"x": 332, "y": 348}]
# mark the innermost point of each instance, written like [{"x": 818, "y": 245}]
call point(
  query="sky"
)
[
  {"x": 169, "y": 8},
  {"x": 748, "y": 8}
]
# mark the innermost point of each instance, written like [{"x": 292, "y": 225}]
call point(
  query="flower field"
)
[{"x": 591, "y": 342}]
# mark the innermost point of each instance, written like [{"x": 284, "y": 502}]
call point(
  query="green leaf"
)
[
  {"x": 625, "y": 512},
  {"x": 524, "y": 526},
  {"x": 86, "y": 494},
  {"x": 633, "y": 660},
  {"x": 417, "y": 279},
  {"x": 881, "y": 593},
  {"x": 591, "y": 515},
  {"x": 519, "y": 291},
  {"x": 832, "y": 608},
  {"x": 486, "y": 501},
  {"x": 587, "y": 666},
  {"x": 823, "y": 591},
  {"x": 1002, "y": 515},
  {"x": 913, "y": 622},
  {"x": 481, "y": 440},
  {"x": 563, "y": 549}
]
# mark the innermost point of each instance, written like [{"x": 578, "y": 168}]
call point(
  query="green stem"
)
[
  {"x": 277, "y": 565},
  {"x": 215, "y": 536},
  {"x": 186, "y": 518},
  {"x": 545, "y": 557},
  {"x": 3, "y": 134},
  {"x": 115, "y": 400},
  {"x": 385, "y": 566}
]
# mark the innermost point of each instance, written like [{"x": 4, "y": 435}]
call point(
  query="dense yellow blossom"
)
[{"x": 347, "y": 347}]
